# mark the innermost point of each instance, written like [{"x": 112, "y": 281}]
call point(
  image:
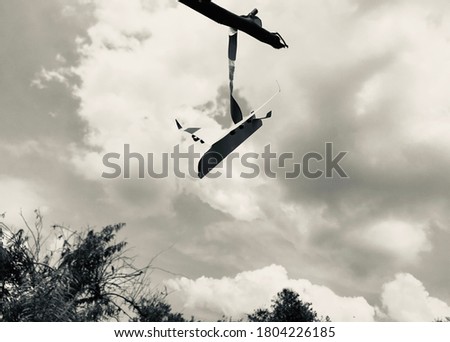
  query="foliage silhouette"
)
[
  {"x": 286, "y": 307},
  {"x": 156, "y": 309},
  {"x": 86, "y": 277}
]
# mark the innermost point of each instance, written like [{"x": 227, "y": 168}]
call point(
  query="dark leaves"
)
[{"x": 286, "y": 307}]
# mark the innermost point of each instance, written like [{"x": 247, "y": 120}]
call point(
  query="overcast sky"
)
[{"x": 83, "y": 78}]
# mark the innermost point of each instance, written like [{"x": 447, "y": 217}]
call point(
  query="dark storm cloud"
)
[
  {"x": 71, "y": 197},
  {"x": 332, "y": 118},
  {"x": 408, "y": 180},
  {"x": 180, "y": 236},
  {"x": 32, "y": 34},
  {"x": 408, "y": 173},
  {"x": 432, "y": 270},
  {"x": 39, "y": 121}
]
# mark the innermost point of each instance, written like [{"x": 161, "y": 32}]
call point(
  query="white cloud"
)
[
  {"x": 60, "y": 75},
  {"x": 404, "y": 241},
  {"x": 138, "y": 74},
  {"x": 368, "y": 95},
  {"x": 406, "y": 299},
  {"x": 20, "y": 196},
  {"x": 250, "y": 290}
]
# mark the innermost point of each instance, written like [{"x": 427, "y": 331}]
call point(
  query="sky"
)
[{"x": 83, "y": 78}]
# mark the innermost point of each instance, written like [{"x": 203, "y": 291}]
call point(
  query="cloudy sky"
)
[{"x": 83, "y": 78}]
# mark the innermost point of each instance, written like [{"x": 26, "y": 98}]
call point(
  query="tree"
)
[
  {"x": 89, "y": 277},
  {"x": 445, "y": 319},
  {"x": 156, "y": 309},
  {"x": 286, "y": 307}
]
